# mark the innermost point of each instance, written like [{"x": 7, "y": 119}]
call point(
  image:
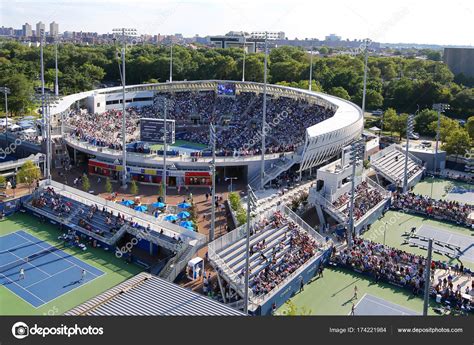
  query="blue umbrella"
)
[
  {"x": 186, "y": 224},
  {"x": 184, "y": 205},
  {"x": 189, "y": 228},
  {"x": 158, "y": 204},
  {"x": 141, "y": 208},
  {"x": 170, "y": 218},
  {"x": 183, "y": 214},
  {"x": 127, "y": 202}
]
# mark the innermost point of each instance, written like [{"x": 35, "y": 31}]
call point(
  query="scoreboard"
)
[{"x": 153, "y": 131}]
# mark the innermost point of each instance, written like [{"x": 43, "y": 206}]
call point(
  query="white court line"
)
[
  {"x": 389, "y": 307},
  {"x": 72, "y": 263},
  {"x": 28, "y": 262},
  {"x": 51, "y": 276},
  {"x": 14, "y": 247},
  {"x": 355, "y": 306},
  {"x": 21, "y": 287}
]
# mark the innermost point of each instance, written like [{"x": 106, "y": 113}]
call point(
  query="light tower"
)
[
  {"x": 440, "y": 108},
  {"x": 171, "y": 62},
  {"x": 410, "y": 122},
  {"x": 355, "y": 155},
  {"x": 243, "y": 61},
  {"x": 47, "y": 100},
  {"x": 6, "y": 91},
  {"x": 213, "y": 177},
  {"x": 123, "y": 33},
  {"x": 56, "y": 83},
  {"x": 251, "y": 206},
  {"x": 367, "y": 41},
  {"x": 311, "y": 66},
  {"x": 264, "y": 115}
]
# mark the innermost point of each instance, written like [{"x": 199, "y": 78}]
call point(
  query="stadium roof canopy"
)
[{"x": 146, "y": 295}]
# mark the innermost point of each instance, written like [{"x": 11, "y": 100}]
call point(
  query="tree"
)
[
  {"x": 446, "y": 127},
  {"x": 28, "y": 173},
  {"x": 423, "y": 120},
  {"x": 134, "y": 187},
  {"x": 108, "y": 186},
  {"x": 2, "y": 181},
  {"x": 388, "y": 120},
  {"x": 470, "y": 127},
  {"x": 457, "y": 142},
  {"x": 339, "y": 91},
  {"x": 86, "y": 185},
  {"x": 20, "y": 99},
  {"x": 400, "y": 125}
]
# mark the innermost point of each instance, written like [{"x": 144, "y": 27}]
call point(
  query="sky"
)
[{"x": 408, "y": 21}]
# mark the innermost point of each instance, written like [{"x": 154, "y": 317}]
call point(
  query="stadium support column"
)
[
  {"x": 43, "y": 120},
  {"x": 366, "y": 56},
  {"x": 165, "y": 148},
  {"x": 409, "y": 133},
  {"x": 427, "y": 277},
  {"x": 264, "y": 115},
  {"x": 213, "y": 182},
  {"x": 311, "y": 66}
]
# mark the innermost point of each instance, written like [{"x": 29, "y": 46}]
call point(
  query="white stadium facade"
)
[{"x": 321, "y": 141}]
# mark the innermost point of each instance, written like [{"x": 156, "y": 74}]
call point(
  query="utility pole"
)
[
  {"x": 427, "y": 277},
  {"x": 409, "y": 134},
  {"x": 124, "y": 32},
  {"x": 366, "y": 57},
  {"x": 213, "y": 192},
  {"x": 264, "y": 115}
]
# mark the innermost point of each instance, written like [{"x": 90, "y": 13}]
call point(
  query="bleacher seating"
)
[
  {"x": 278, "y": 247},
  {"x": 391, "y": 164}
]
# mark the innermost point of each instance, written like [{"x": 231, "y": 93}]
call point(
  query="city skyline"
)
[{"x": 392, "y": 24}]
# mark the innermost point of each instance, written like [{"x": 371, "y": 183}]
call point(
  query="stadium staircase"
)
[
  {"x": 390, "y": 164},
  {"x": 176, "y": 264},
  {"x": 316, "y": 198},
  {"x": 274, "y": 170}
]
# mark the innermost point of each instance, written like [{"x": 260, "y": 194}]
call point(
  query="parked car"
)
[
  {"x": 377, "y": 112},
  {"x": 425, "y": 143}
]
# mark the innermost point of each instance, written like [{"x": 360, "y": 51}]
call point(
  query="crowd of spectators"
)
[
  {"x": 384, "y": 263},
  {"x": 366, "y": 197},
  {"x": 452, "y": 211},
  {"x": 238, "y": 121},
  {"x": 278, "y": 259}
]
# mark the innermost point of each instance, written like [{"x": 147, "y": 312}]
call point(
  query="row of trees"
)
[
  {"x": 400, "y": 83},
  {"x": 455, "y": 139}
]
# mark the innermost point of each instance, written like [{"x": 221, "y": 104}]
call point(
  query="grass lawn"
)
[
  {"x": 333, "y": 294},
  {"x": 116, "y": 271},
  {"x": 399, "y": 222}
]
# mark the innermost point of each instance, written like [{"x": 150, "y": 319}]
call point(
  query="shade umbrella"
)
[
  {"x": 374, "y": 129},
  {"x": 189, "y": 228},
  {"x": 141, "y": 208},
  {"x": 186, "y": 224},
  {"x": 170, "y": 218},
  {"x": 29, "y": 130},
  {"x": 184, "y": 205},
  {"x": 29, "y": 118},
  {"x": 158, "y": 204},
  {"x": 183, "y": 214},
  {"x": 128, "y": 202}
]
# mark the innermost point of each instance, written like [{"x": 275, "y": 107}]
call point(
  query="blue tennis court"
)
[
  {"x": 49, "y": 271},
  {"x": 371, "y": 305}
]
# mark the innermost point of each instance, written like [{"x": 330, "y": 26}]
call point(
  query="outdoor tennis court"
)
[
  {"x": 49, "y": 271},
  {"x": 371, "y": 305},
  {"x": 464, "y": 242}
]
